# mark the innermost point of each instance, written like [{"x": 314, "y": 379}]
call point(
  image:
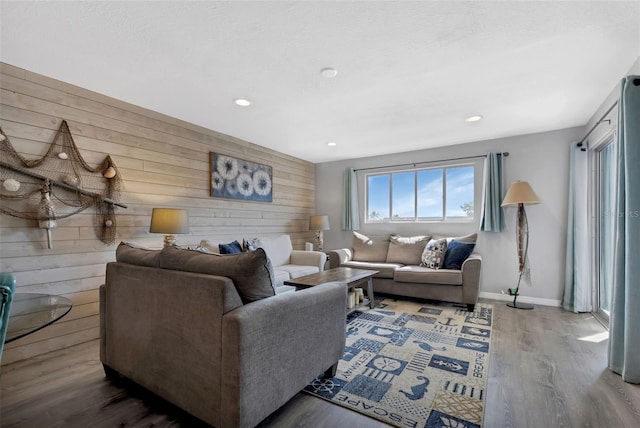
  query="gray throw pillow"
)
[
  {"x": 129, "y": 253},
  {"x": 406, "y": 249},
  {"x": 433, "y": 254},
  {"x": 251, "y": 272},
  {"x": 370, "y": 248}
]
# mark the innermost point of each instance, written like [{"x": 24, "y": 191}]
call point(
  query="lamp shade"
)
[
  {"x": 319, "y": 222},
  {"x": 520, "y": 193},
  {"x": 169, "y": 221}
]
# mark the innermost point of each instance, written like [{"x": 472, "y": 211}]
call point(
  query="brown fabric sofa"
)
[
  {"x": 400, "y": 272},
  {"x": 173, "y": 327}
]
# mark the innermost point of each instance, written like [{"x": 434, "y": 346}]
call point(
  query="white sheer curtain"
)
[{"x": 577, "y": 288}]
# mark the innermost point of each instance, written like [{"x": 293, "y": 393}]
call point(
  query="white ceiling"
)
[{"x": 409, "y": 73}]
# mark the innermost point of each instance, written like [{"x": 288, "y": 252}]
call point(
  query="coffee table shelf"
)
[
  {"x": 361, "y": 305},
  {"x": 349, "y": 276}
]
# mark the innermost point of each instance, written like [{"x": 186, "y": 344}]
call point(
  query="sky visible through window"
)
[{"x": 402, "y": 188}]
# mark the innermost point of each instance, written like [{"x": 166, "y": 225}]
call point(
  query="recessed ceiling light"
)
[
  {"x": 329, "y": 73},
  {"x": 473, "y": 118},
  {"x": 331, "y": 144},
  {"x": 242, "y": 102}
]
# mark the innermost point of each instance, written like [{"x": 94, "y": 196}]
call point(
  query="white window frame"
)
[{"x": 444, "y": 166}]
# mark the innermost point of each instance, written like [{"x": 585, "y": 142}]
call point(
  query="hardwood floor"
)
[{"x": 547, "y": 369}]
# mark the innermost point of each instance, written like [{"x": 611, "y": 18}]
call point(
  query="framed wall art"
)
[{"x": 240, "y": 179}]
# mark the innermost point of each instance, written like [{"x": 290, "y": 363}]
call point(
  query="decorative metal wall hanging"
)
[
  {"x": 59, "y": 185},
  {"x": 240, "y": 179}
]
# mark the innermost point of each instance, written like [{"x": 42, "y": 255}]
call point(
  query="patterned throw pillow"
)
[
  {"x": 251, "y": 244},
  {"x": 433, "y": 254}
]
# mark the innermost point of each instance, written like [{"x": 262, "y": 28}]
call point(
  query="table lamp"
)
[
  {"x": 520, "y": 193},
  {"x": 169, "y": 221},
  {"x": 319, "y": 223}
]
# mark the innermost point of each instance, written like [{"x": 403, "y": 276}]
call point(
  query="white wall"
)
[{"x": 541, "y": 159}]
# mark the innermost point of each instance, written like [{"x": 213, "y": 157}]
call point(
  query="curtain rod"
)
[
  {"x": 505, "y": 154},
  {"x": 599, "y": 122}
]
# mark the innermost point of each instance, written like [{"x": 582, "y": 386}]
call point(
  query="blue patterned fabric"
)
[
  {"x": 230, "y": 248},
  {"x": 409, "y": 370},
  {"x": 457, "y": 253}
]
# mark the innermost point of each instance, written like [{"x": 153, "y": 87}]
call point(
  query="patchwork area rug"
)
[{"x": 414, "y": 364}]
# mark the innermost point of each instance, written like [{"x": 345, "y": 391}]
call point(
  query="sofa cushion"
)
[
  {"x": 433, "y": 254},
  {"x": 406, "y": 249},
  {"x": 251, "y": 272},
  {"x": 472, "y": 237},
  {"x": 280, "y": 276},
  {"x": 370, "y": 249},
  {"x": 296, "y": 271},
  {"x": 457, "y": 253},
  {"x": 386, "y": 270},
  {"x": 278, "y": 249},
  {"x": 230, "y": 248},
  {"x": 129, "y": 253},
  {"x": 419, "y": 274}
]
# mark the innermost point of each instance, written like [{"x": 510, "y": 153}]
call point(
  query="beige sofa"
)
[
  {"x": 398, "y": 260},
  {"x": 287, "y": 262},
  {"x": 207, "y": 332}
]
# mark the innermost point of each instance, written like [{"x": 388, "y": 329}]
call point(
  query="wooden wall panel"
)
[{"x": 164, "y": 163}]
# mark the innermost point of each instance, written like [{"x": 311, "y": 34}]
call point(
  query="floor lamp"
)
[{"x": 520, "y": 193}]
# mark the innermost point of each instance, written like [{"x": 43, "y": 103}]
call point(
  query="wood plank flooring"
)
[{"x": 547, "y": 369}]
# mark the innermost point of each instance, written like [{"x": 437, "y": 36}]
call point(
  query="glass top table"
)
[{"x": 31, "y": 312}]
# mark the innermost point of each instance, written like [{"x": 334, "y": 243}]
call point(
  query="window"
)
[{"x": 430, "y": 194}]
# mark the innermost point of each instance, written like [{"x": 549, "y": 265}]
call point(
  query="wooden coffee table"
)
[{"x": 349, "y": 276}]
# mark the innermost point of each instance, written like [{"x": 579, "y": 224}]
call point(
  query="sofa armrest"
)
[
  {"x": 340, "y": 256},
  {"x": 162, "y": 329},
  {"x": 471, "y": 278},
  {"x": 308, "y": 258},
  {"x": 273, "y": 348}
]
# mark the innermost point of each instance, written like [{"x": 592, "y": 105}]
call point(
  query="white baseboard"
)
[{"x": 523, "y": 299}]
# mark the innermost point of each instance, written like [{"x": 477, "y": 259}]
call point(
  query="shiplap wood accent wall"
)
[{"x": 164, "y": 162}]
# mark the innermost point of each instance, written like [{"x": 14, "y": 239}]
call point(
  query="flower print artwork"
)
[{"x": 240, "y": 179}]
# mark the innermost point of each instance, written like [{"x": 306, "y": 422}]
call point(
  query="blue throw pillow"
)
[
  {"x": 457, "y": 253},
  {"x": 230, "y": 248}
]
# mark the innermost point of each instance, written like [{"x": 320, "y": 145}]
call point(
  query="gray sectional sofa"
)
[
  {"x": 208, "y": 333},
  {"x": 400, "y": 263}
]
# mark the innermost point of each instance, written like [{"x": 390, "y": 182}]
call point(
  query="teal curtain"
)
[
  {"x": 7, "y": 290},
  {"x": 624, "y": 322},
  {"x": 350, "y": 211},
  {"x": 492, "y": 213},
  {"x": 577, "y": 285}
]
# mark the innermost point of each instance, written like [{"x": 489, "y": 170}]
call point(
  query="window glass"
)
[
  {"x": 403, "y": 191},
  {"x": 378, "y": 194},
  {"x": 430, "y": 206},
  {"x": 430, "y": 194},
  {"x": 460, "y": 192}
]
